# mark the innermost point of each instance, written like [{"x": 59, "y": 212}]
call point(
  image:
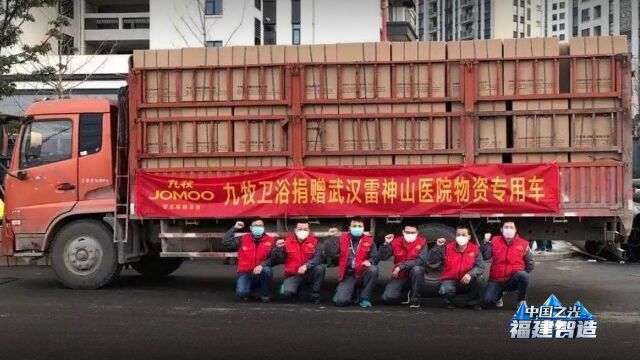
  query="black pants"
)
[{"x": 346, "y": 288}]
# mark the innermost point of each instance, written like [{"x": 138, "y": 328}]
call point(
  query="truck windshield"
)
[{"x": 45, "y": 142}]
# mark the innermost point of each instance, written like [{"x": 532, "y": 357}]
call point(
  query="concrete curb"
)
[
  {"x": 546, "y": 256},
  {"x": 18, "y": 261}
]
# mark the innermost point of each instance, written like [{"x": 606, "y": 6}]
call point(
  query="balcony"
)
[
  {"x": 401, "y": 25},
  {"x": 465, "y": 3},
  {"x": 116, "y": 27},
  {"x": 466, "y": 17}
]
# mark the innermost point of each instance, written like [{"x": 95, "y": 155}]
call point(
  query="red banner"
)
[{"x": 339, "y": 191}]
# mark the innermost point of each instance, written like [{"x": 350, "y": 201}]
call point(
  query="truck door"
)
[{"x": 46, "y": 165}]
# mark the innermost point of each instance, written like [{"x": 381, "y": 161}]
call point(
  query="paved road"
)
[{"x": 194, "y": 315}]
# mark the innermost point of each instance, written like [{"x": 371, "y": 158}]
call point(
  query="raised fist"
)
[
  {"x": 441, "y": 241},
  {"x": 239, "y": 225}
]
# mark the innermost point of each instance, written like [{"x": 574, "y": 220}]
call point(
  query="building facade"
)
[{"x": 449, "y": 20}]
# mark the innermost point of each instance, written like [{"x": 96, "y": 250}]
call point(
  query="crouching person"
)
[
  {"x": 254, "y": 259},
  {"x": 357, "y": 256},
  {"x": 303, "y": 262},
  {"x": 462, "y": 268},
  {"x": 409, "y": 253},
  {"x": 510, "y": 268}
]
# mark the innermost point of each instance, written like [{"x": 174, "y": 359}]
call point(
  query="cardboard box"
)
[
  {"x": 457, "y": 50},
  {"x": 492, "y": 132},
  {"x": 540, "y": 131},
  {"x": 544, "y": 81},
  {"x": 421, "y": 134},
  {"x": 599, "y": 129},
  {"x": 584, "y": 70},
  {"x": 487, "y": 83}
]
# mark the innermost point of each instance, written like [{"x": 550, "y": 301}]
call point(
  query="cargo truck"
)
[{"x": 430, "y": 133}]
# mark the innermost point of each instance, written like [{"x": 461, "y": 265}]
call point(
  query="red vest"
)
[
  {"x": 456, "y": 263},
  {"x": 508, "y": 259},
  {"x": 403, "y": 251},
  {"x": 362, "y": 254},
  {"x": 252, "y": 254},
  {"x": 298, "y": 253}
]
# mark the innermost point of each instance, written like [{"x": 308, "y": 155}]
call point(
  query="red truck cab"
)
[{"x": 61, "y": 168}]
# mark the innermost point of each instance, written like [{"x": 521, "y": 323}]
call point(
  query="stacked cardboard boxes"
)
[
  {"x": 535, "y": 77},
  {"x": 599, "y": 128}
]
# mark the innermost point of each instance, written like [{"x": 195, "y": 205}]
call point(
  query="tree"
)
[
  {"x": 195, "y": 26},
  {"x": 14, "y": 14}
]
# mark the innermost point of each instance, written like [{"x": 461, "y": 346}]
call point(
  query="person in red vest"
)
[
  {"x": 409, "y": 253},
  {"x": 254, "y": 258},
  {"x": 357, "y": 256},
  {"x": 512, "y": 262},
  {"x": 462, "y": 268},
  {"x": 303, "y": 262}
]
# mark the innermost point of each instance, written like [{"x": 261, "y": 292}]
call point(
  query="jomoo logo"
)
[
  {"x": 552, "y": 320},
  {"x": 181, "y": 190}
]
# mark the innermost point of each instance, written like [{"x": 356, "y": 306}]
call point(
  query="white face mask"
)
[
  {"x": 462, "y": 240},
  {"x": 410, "y": 237},
  {"x": 508, "y": 233},
  {"x": 302, "y": 234}
]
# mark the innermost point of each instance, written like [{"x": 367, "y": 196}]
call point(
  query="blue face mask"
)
[
  {"x": 356, "y": 231},
  {"x": 257, "y": 231}
]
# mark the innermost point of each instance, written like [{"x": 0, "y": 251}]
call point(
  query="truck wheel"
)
[
  {"x": 155, "y": 267},
  {"x": 433, "y": 231},
  {"x": 84, "y": 256}
]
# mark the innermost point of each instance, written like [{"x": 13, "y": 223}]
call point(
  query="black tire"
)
[
  {"x": 68, "y": 262},
  {"x": 155, "y": 267},
  {"x": 433, "y": 231}
]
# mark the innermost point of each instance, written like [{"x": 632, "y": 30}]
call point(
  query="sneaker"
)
[
  {"x": 265, "y": 299},
  {"x": 414, "y": 304},
  {"x": 499, "y": 303},
  {"x": 407, "y": 301},
  {"x": 364, "y": 303},
  {"x": 523, "y": 302}
]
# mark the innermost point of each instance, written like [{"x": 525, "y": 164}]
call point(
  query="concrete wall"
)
[
  {"x": 177, "y": 23},
  {"x": 330, "y": 21}
]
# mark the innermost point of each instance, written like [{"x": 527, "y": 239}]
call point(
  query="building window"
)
[
  {"x": 295, "y": 36},
  {"x": 258, "y": 4},
  {"x": 522, "y": 19},
  {"x": 562, "y": 16},
  {"x": 522, "y": 35},
  {"x": 561, "y": 37},
  {"x": 528, "y": 30},
  {"x": 562, "y": 26},
  {"x": 554, "y": 17},
  {"x": 597, "y": 30},
  {"x": 597, "y": 12},
  {"x": 522, "y": 3},
  {"x": 295, "y": 11},
  {"x": 515, "y": 34},
  {"x": 65, "y": 8},
  {"x": 528, "y": 14},
  {"x": 528, "y": 2},
  {"x": 562, "y": 5},
  {"x": 258, "y": 32},
  {"x": 554, "y": 28},
  {"x": 65, "y": 45},
  {"x": 214, "y": 43},
  {"x": 585, "y": 15},
  {"x": 554, "y": 6},
  {"x": 213, "y": 7},
  {"x": 515, "y": 18},
  {"x": 585, "y": 32},
  {"x": 515, "y": 2}
]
